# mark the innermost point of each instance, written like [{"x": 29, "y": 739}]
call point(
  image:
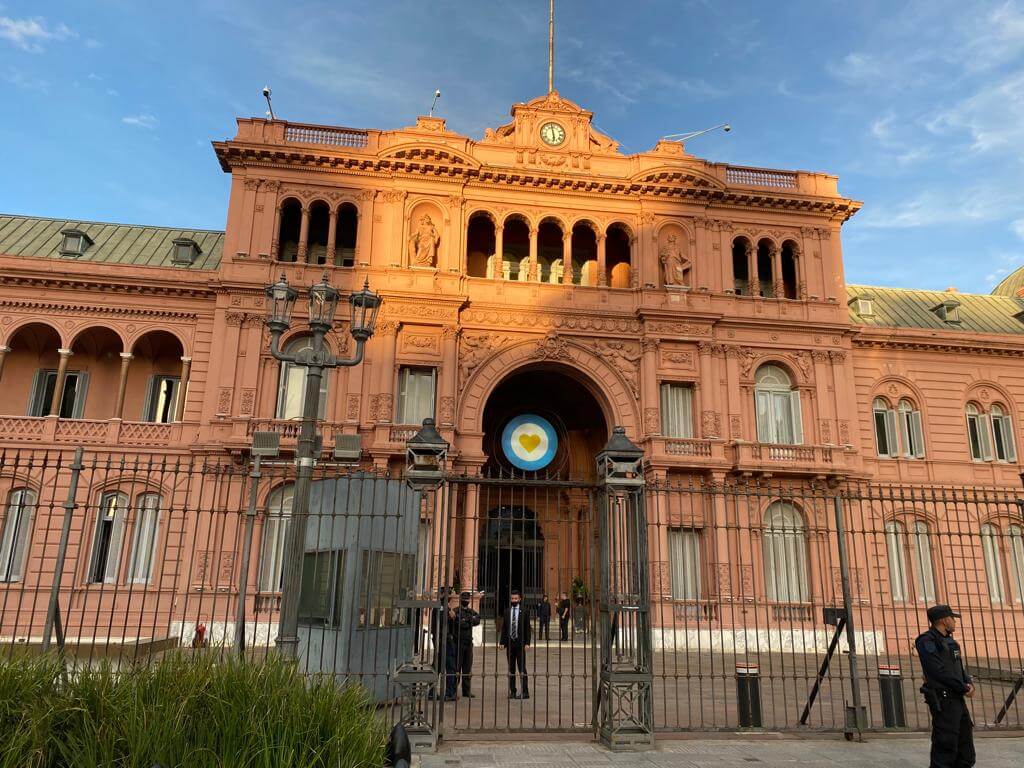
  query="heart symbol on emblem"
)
[{"x": 529, "y": 442}]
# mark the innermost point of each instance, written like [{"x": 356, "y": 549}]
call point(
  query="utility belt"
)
[{"x": 935, "y": 696}]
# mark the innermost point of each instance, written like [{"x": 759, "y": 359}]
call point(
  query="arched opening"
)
[
  {"x": 291, "y": 384},
  {"x": 740, "y": 266},
  {"x": 765, "y": 274},
  {"x": 788, "y": 259},
  {"x": 785, "y": 554},
  {"x": 347, "y": 228},
  {"x": 777, "y": 407},
  {"x": 154, "y": 378},
  {"x": 290, "y": 229},
  {"x": 618, "y": 257},
  {"x": 584, "y": 254},
  {"x": 93, "y": 377},
  {"x": 549, "y": 251},
  {"x": 541, "y": 422},
  {"x": 319, "y": 229},
  {"x": 30, "y": 365},
  {"x": 515, "y": 246},
  {"x": 480, "y": 242}
]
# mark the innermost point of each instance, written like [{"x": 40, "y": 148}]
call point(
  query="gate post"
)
[
  {"x": 625, "y": 701},
  {"x": 855, "y": 713}
]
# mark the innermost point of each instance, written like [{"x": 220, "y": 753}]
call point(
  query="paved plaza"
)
[{"x": 765, "y": 751}]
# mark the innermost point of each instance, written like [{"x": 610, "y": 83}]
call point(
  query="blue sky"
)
[{"x": 108, "y": 107}]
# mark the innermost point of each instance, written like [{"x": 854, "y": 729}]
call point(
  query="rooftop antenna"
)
[
  {"x": 437, "y": 95},
  {"x": 270, "y": 107},
  {"x": 551, "y": 46},
  {"x": 683, "y": 137}
]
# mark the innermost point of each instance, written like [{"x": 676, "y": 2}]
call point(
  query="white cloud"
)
[
  {"x": 1018, "y": 228},
  {"x": 144, "y": 120},
  {"x": 993, "y": 117},
  {"x": 26, "y": 82},
  {"x": 30, "y": 34},
  {"x": 978, "y": 204}
]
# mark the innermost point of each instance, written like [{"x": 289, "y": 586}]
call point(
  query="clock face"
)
[{"x": 552, "y": 133}]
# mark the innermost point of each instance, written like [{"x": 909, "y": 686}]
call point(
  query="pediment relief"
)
[
  {"x": 553, "y": 125},
  {"x": 419, "y": 150},
  {"x": 678, "y": 174}
]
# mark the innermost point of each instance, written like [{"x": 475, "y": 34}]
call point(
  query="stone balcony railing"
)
[
  {"x": 52, "y": 430},
  {"x": 687, "y": 451},
  {"x": 796, "y": 459}
]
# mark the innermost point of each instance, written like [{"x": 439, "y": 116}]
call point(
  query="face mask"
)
[{"x": 464, "y": 603}]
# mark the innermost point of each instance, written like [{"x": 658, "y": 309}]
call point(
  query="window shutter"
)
[
  {"x": 114, "y": 551},
  {"x": 80, "y": 392},
  {"x": 37, "y": 385},
  {"x": 1011, "y": 447},
  {"x": 890, "y": 433},
  {"x": 798, "y": 419},
  {"x": 918, "y": 432},
  {"x": 763, "y": 417},
  {"x": 985, "y": 434},
  {"x": 147, "y": 406}
]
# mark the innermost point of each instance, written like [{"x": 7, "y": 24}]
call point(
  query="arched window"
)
[
  {"x": 1017, "y": 560},
  {"x": 741, "y": 266},
  {"x": 289, "y": 230},
  {"x": 275, "y": 531},
  {"x": 990, "y": 547},
  {"x": 106, "y": 543},
  {"x": 785, "y": 554},
  {"x": 345, "y": 233},
  {"x": 14, "y": 537},
  {"x": 915, "y": 546},
  {"x": 144, "y": 534},
  {"x": 777, "y": 406},
  {"x": 1002, "y": 434},
  {"x": 291, "y": 388},
  {"x": 885, "y": 428},
  {"x": 911, "y": 430}
]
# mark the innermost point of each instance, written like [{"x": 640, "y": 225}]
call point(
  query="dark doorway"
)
[{"x": 511, "y": 557}]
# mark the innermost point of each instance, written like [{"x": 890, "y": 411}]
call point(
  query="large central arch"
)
[{"x": 615, "y": 398}]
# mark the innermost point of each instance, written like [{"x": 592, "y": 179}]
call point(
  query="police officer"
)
[
  {"x": 946, "y": 685},
  {"x": 465, "y": 619}
]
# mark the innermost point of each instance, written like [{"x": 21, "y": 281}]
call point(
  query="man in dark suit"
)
[
  {"x": 465, "y": 619},
  {"x": 544, "y": 618},
  {"x": 564, "y": 609},
  {"x": 515, "y": 637}
]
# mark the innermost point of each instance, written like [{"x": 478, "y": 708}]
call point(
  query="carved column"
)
[
  {"x": 602, "y": 260},
  {"x": 534, "y": 267},
  {"x": 777, "y": 287},
  {"x": 387, "y": 333},
  {"x": 122, "y": 383},
  {"x": 471, "y": 537},
  {"x": 801, "y": 274},
  {"x": 567, "y": 257},
  {"x": 649, "y": 386},
  {"x": 710, "y": 418},
  {"x": 497, "y": 265},
  {"x": 58, "y": 387},
  {"x": 186, "y": 372},
  {"x": 722, "y": 583},
  {"x": 3, "y": 354},
  {"x": 275, "y": 243},
  {"x": 752, "y": 276},
  {"x": 449, "y": 376},
  {"x": 304, "y": 235},
  {"x": 332, "y": 230}
]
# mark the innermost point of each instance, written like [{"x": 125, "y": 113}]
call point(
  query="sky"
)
[{"x": 107, "y": 108}]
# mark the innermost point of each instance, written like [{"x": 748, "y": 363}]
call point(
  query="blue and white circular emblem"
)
[{"x": 529, "y": 442}]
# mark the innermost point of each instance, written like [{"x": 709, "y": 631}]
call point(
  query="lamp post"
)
[
  {"x": 323, "y": 303},
  {"x": 425, "y": 454}
]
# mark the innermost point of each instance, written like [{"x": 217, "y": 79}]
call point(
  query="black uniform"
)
[
  {"x": 465, "y": 619},
  {"x": 564, "y": 610},
  {"x": 945, "y": 686},
  {"x": 445, "y": 655},
  {"x": 544, "y": 617}
]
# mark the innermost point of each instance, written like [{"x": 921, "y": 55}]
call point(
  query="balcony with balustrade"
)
[
  {"x": 781, "y": 459},
  {"x": 677, "y": 452},
  {"x": 26, "y": 431}
]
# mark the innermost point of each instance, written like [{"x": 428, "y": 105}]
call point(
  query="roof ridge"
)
[
  {"x": 111, "y": 223},
  {"x": 861, "y": 286}
]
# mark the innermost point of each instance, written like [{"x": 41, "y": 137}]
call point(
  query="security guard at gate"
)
[
  {"x": 946, "y": 685},
  {"x": 465, "y": 619}
]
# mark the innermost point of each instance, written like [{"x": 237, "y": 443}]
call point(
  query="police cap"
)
[
  {"x": 937, "y": 612},
  {"x": 465, "y": 596}
]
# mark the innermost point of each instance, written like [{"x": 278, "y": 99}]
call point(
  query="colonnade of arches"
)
[
  {"x": 95, "y": 374},
  {"x": 550, "y": 252},
  {"x": 768, "y": 269},
  {"x": 316, "y": 233}
]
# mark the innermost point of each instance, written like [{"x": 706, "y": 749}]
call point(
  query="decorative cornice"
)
[
  {"x": 527, "y": 318},
  {"x": 924, "y": 346},
  {"x": 79, "y": 309},
  {"x": 52, "y": 280}
]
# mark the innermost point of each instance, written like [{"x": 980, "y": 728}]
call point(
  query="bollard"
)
[
  {"x": 890, "y": 683},
  {"x": 748, "y": 691},
  {"x": 399, "y": 751}
]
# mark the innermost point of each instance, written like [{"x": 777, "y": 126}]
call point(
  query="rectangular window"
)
[
  {"x": 106, "y": 545},
  {"x": 979, "y": 436},
  {"x": 275, "y": 529},
  {"x": 147, "y": 518},
  {"x": 415, "y": 395},
  {"x": 14, "y": 537},
  {"x": 72, "y": 401},
  {"x": 993, "y": 564},
  {"x": 677, "y": 410},
  {"x": 323, "y": 576},
  {"x": 684, "y": 563},
  {"x": 161, "y": 399},
  {"x": 1002, "y": 436},
  {"x": 911, "y": 433},
  {"x": 923, "y": 562},
  {"x": 387, "y": 578},
  {"x": 885, "y": 432},
  {"x": 291, "y": 392},
  {"x": 779, "y": 418}
]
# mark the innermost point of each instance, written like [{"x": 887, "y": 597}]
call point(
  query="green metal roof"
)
[
  {"x": 912, "y": 308},
  {"x": 112, "y": 243},
  {"x": 1010, "y": 284}
]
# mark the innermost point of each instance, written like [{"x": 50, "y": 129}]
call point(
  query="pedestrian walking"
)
[
  {"x": 946, "y": 686},
  {"x": 515, "y": 639},
  {"x": 544, "y": 618}
]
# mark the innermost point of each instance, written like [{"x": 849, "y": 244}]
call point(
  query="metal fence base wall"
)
[{"x": 721, "y": 616}]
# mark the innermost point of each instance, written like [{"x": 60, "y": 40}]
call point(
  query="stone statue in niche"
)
[
  {"x": 675, "y": 268},
  {"x": 423, "y": 243}
]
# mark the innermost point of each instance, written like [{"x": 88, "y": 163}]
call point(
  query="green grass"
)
[{"x": 193, "y": 711}]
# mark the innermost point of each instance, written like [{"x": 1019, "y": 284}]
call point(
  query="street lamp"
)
[
  {"x": 323, "y": 304},
  {"x": 620, "y": 463},
  {"x": 425, "y": 454}
]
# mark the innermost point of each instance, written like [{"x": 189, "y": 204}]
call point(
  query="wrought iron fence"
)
[{"x": 764, "y": 604}]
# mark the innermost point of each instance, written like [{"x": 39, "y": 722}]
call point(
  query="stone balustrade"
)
[{"x": 113, "y": 432}]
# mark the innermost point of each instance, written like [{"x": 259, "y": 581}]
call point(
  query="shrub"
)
[{"x": 184, "y": 710}]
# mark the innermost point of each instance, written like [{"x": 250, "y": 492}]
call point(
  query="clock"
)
[{"x": 552, "y": 134}]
